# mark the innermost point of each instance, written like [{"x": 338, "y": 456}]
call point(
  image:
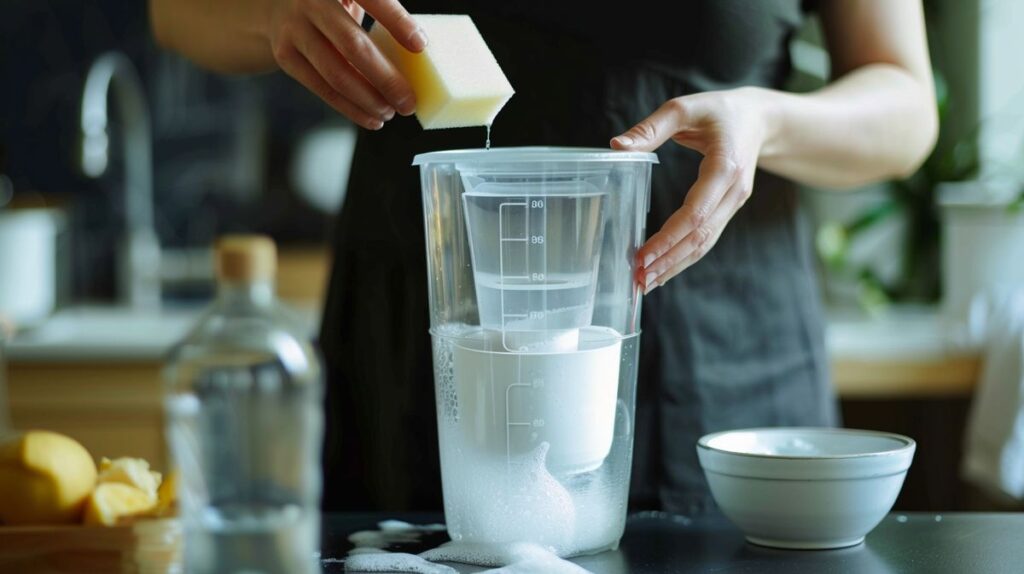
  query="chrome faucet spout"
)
[{"x": 139, "y": 269}]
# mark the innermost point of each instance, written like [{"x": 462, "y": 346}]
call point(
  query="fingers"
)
[
  {"x": 695, "y": 245},
  {"x": 402, "y": 26},
  {"x": 341, "y": 76},
  {"x": 297, "y": 66},
  {"x": 354, "y": 10},
  {"x": 688, "y": 227},
  {"x": 355, "y": 45},
  {"x": 654, "y": 130}
]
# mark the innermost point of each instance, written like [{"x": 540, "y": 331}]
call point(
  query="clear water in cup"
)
[{"x": 535, "y": 255}]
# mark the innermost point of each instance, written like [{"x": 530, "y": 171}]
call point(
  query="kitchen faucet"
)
[{"x": 139, "y": 257}]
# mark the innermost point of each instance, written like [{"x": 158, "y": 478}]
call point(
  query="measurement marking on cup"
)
[
  {"x": 509, "y": 423},
  {"x": 504, "y": 210}
]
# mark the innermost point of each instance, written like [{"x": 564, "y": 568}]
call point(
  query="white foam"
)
[
  {"x": 511, "y": 558},
  {"x": 507, "y": 558},
  {"x": 497, "y": 500},
  {"x": 391, "y": 532},
  {"x": 394, "y": 562},
  {"x": 366, "y": 550}
]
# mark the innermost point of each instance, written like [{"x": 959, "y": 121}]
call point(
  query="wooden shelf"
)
[{"x": 946, "y": 377}]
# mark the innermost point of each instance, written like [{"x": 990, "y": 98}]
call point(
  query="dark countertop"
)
[{"x": 660, "y": 543}]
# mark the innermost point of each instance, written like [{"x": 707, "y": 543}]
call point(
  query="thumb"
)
[{"x": 652, "y": 131}]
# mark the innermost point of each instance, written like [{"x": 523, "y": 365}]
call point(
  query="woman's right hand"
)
[{"x": 321, "y": 44}]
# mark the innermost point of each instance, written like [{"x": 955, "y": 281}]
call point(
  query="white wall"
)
[{"x": 1000, "y": 77}]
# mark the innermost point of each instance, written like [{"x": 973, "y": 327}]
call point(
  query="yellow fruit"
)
[
  {"x": 131, "y": 471},
  {"x": 45, "y": 478},
  {"x": 167, "y": 495},
  {"x": 112, "y": 501}
]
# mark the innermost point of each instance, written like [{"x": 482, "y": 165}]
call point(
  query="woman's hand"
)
[
  {"x": 321, "y": 44},
  {"x": 729, "y": 129}
]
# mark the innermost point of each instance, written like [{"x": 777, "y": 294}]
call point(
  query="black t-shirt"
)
[{"x": 735, "y": 341}]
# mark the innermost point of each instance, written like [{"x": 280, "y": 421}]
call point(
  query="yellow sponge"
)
[{"x": 456, "y": 79}]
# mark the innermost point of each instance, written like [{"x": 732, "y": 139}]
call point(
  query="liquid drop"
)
[{"x": 487, "y": 144}]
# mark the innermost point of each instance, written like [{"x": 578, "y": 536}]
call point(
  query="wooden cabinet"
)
[
  {"x": 114, "y": 406},
  {"x": 113, "y": 409}
]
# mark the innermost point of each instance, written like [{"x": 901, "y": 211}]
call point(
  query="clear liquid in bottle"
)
[{"x": 245, "y": 426}]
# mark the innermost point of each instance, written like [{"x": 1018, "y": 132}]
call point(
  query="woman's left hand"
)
[{"x": 728, "y": 128}]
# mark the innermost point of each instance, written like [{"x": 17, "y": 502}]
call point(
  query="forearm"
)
[
  {"x": 223, "y": 35},
  {"x": 877, "y": 122}
]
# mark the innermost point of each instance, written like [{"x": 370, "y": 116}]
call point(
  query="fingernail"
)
[
  {"x": 624, "y": 140},
  {"x": 648, "y": 259},
  {"x": 650, "y": 288},
  {"x": 650, "y": 279},
  {"x": 418, "y": 39},
  {"x": 390, "y": 113},
  {"x": 407, "y": 106},
  {"x": 376, "y": 125}
]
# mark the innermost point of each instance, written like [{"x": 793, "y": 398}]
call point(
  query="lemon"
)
[
  {"x": 45, "y": 478},
  {"x": 167, "y": 495},
  {"x": 112, "y": 501},
  {"x": 131, "y": 471}
]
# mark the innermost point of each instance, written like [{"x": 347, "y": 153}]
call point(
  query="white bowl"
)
[{"x": 809, "y": 488}]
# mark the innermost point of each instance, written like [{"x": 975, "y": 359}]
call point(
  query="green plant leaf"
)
[
  {"x": 832, "y": 243},
  {"x": 1017, "y": 205}
]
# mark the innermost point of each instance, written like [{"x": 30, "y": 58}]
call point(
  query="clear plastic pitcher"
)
[{"x": 534, "y": 320}]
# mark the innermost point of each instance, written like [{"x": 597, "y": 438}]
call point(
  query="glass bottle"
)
[{"x": 245, "y": 425}]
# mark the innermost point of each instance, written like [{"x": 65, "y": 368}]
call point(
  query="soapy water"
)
[
  {"x": 497, "y": 497},
  {"x": 507, "y": 511},
  {"x": 563, "y": 391},
  {"x": 507, "y": 502}
]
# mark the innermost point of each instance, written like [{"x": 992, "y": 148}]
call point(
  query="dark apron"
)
[{"x": 734, "y": 341}]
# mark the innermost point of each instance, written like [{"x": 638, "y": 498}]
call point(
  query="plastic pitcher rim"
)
[{"x": 534, "y": 154}]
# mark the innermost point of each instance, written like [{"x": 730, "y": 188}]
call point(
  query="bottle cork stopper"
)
[{"x": 246, "y": 258}]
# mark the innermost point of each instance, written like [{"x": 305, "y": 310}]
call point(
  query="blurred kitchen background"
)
[{"x": 122, "y": 163}]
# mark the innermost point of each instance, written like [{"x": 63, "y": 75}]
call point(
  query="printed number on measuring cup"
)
[
  {"x": 537, "y": 239},
  {"x": 537, "y": 276},
  {"x": 537, "y": 203}
]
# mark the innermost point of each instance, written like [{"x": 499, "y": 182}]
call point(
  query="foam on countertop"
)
[
  {"x": 510, "y": 558},
  {"x": 395, "y": 562},
  {"x": 370, "y": 554}
]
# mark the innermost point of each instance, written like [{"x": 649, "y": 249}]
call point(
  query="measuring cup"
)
[{"x": 535, "y": 242}]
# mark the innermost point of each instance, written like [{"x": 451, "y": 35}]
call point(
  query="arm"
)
[
  {"x": 318, "y": 42},
  {"x": 224, "y": 36},
  {"x": 877, "y": 120}
]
